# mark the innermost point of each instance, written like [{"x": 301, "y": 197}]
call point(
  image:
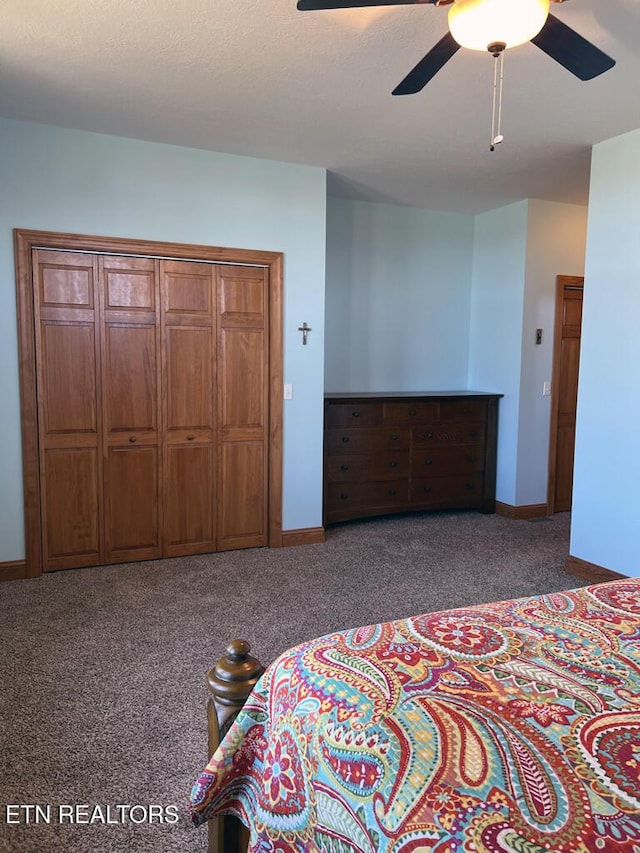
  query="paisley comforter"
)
[{"x": 512, "y": 726}]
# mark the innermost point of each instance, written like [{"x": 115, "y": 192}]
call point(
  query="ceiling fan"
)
[{"x": 493, "y": 25}]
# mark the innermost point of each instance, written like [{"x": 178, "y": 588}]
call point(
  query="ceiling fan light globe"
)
[{"x": 478, "y": 23}]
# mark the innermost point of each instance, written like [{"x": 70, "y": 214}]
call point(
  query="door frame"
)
[
  {"x": 27, "y": 240},
  {"x": 561, "y": 282}
]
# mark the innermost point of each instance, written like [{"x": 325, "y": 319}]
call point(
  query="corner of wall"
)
[{"x": 556, "y": 238}]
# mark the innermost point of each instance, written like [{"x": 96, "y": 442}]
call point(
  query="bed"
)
[{"x": 511, "y": 727}]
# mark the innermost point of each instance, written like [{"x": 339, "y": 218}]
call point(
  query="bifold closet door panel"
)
[
  {"x": 69, "y": 408},
  {"x": 153, "y": 406},
  {"x": 188, "y": 334},
  {"x": 242, "y": 511},
  {"x": 243, "y": 414},
  {"x": 131, "y": 407},
  {"x": 131, "y": 480},
  {"x": 71, "y": 508}
]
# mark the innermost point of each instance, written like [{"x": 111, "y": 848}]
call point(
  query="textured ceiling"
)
[{"x": 263, "y": 80}]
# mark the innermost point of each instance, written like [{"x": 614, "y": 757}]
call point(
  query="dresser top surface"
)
[{"x": 403, "y": 395}]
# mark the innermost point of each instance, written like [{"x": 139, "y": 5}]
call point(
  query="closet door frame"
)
[{"x": 27, "y": 240}]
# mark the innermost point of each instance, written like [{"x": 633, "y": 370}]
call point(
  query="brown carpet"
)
[{"x": 102, "y": 670}]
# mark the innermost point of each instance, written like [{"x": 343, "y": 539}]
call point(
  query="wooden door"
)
[
  {"x": 151, "y": 398},
  {"x": 130, "y": 344},
  {"x": 189, "y": 370},
  {"x": 243, "y": 408},
  {"x": 68, "y": 408},
  {"x": 566, "y": 364}
]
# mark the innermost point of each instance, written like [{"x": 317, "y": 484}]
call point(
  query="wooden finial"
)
[
  {"x": 234, "y": 676},
  {"x": 230, "y": 682}
]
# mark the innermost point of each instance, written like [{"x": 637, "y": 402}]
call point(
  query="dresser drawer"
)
[
  {"x": 440, "y": 461},
  {"x": 417, "y": 412},
  {"x": 458, "y": 491},
  {"x": 343, "y": 496},
  {"x": 385, "y": 466},
  {"x": 455, "y": 411},
  {"x": 354, "y": 414},
  {"x": 448, "y": 435},
  {"x": 346, "y": 441}
]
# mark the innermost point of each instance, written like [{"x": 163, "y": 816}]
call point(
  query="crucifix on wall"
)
[{"x": 305, "y": 331}]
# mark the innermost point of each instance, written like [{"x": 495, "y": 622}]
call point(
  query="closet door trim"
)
[{"x": 24, "y": 242}]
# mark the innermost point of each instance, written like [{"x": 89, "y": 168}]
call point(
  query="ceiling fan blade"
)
[
  {"x": 570, "y": 49},
  {"x": 316, "y": 5},
  {"x": 428, "y": 66}
]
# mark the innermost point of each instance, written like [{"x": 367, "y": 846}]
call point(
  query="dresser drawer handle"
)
[
  {"x": 343, "y": 496},
  {"x": 344, "y": 467},
  {"x": 394, "y": 437},
  {"x": 465, "y": 411},
  {"x": 428, "y": 462},
  {"x": 190, "y": 437},
  {"x": 393, "y": 464},
  {"x": 132, "y": 439},
  {"x": 412, "y": 413},
  {"x": 472, "y": 459},
  {"x": 427, "y": 489},
  {"x": 345, "y": 439},
  {"x": 429, "y": 435},
  {"x": 393, "y": 491},
  {"x": 471, "y": 485},
  {"x": 473, "y": 433},
  {"x": 356, "y": 414}
]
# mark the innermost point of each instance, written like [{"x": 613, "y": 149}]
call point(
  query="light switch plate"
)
[{"x": 288, "y": 391}]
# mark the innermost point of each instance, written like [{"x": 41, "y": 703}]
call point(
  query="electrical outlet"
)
[{"x": 288, "y": 391}]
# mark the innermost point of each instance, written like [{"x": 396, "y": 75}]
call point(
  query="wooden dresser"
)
[{"x": 386, "y": 453}]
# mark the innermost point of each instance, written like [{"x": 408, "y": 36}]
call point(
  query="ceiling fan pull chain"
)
[
  {"x": 493, "y": 111},
  {"x": 498, "y": 137},
  {"x": 497, "y": 51}
]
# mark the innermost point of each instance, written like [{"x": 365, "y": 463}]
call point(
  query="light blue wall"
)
[
  {"x": 418, "y": 300},
  {"x": 63, "y": 180},
  {"x": 556, "y": 236},
  {"x": 518, "y": 252},
  {"x": 496, "y": 324},
  {"x": 606, "y": 508},
  {"x": 397, "y": 298}
]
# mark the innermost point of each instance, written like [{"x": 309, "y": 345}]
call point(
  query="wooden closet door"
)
[
  {"x": 69, "y": 409},
  {"x": 131, "y": 408},
  {"x": 243, "y": 415},
  {"x": 189, "y": 371}
]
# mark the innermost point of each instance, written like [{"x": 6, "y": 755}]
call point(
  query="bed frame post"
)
[{"x": 230, "y": 682}]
